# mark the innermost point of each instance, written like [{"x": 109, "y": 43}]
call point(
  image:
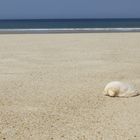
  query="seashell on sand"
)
[{"x": 120, "y": 89}]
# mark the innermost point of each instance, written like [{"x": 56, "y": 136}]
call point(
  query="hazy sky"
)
[{"x": 21, "y": 9}]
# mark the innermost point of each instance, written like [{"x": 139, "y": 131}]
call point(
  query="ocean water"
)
[{"x": 71, "y": 24}]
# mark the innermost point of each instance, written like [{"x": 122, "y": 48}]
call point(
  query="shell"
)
[{"x": 120, "y": 89}]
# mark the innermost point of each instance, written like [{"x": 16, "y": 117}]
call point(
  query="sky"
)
[{"x": 49, "y": 9}]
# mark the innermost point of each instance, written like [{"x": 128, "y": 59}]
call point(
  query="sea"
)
[{"x": 69, "y": 25}]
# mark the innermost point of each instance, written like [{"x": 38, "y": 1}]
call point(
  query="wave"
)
[{"x": 70, "y": 30}]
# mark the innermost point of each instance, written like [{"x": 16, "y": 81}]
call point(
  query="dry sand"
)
[{"x": 51, "y": 86}]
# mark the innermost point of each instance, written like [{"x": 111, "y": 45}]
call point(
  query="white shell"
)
[{"x": 120, "y": 89}]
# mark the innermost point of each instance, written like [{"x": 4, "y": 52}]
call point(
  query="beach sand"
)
[{"x": 51, "y": 86}]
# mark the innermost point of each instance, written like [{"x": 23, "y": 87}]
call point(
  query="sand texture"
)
[{"x": 51, "y": 86}]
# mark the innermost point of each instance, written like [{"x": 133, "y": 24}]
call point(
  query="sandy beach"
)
[{"x": 51, "y": 86}]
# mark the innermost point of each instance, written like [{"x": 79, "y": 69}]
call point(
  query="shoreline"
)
[{"x": 68, "y": 30}]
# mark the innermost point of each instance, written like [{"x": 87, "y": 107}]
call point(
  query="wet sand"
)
[{"x": 51, "y": 86}]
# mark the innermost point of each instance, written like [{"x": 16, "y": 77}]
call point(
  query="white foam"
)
[{"x": 69, "y": 30}]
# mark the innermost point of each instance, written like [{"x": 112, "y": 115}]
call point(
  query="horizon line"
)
[{"x": 67, "y": 19}]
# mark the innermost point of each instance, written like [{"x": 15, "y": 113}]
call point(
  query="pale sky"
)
[{"x": 32, "y": 9}]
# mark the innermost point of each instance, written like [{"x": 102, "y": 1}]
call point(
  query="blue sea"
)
[{"x": 70, "y": 25}]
